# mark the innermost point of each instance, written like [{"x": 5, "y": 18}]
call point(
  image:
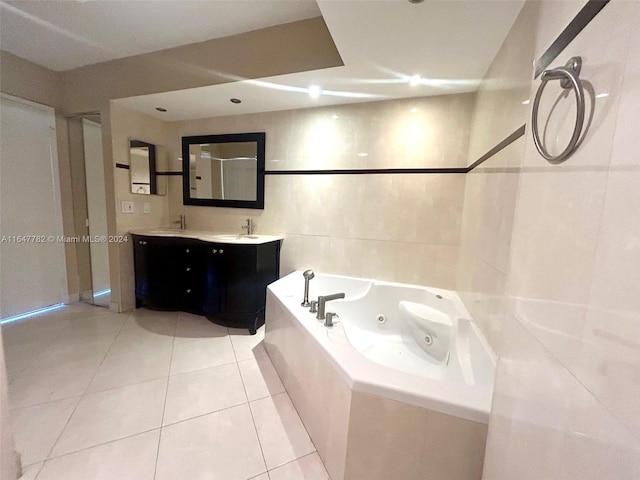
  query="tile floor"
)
[{"x": 149, "y": 395}]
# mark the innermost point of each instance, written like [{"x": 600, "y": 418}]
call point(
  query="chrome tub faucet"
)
[
  {"x": 322, "y": 300},
  {"x": 329, "y": 322}
]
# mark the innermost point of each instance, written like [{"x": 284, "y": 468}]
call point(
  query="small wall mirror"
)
[
  {"x": 224, "y": 170},
  {"x": 144, "y": 161}
]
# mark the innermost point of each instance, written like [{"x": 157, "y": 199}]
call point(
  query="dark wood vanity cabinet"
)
[
  {"x": 237, "y": 279},
  {"x": 223, "y": 281},
  {"x": 169, "y": 273}
]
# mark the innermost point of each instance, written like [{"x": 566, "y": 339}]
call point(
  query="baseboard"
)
[
  {"x": 72, "y": 298},
  {"x": 86, "y": 296}
]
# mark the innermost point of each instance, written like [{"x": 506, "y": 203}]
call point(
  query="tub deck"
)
[{"x": 366, "y": 418}]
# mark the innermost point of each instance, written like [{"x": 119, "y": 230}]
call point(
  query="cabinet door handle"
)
[
  {"x": 214, "y": 250},
  {"x": 221, "y": 251},
  {"x": 188, "y": 269}
]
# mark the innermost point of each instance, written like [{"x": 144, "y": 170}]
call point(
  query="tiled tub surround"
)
[
  {"x": 549, "y": 256},
  {"x": 413, "y": 218},
  {"x": 373, "y": 420},
  {"x": 408, "y": 216}
]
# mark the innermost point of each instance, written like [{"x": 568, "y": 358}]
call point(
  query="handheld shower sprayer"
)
[{"x": 308, "y": 275}]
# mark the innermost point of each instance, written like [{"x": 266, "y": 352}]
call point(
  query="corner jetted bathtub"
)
[{"x": 404, "y": 369}]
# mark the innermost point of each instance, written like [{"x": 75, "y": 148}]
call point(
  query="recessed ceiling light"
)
[
  {"x": 363, "y": 154},
  {"x": 335, "y": 117},
  {"x": 161, "y": 109},
  {"x": 235, "y": 100},
  {"x": 415, "y": 80},
  {"x": 314, "y": 91},
  {"x": 414, "y": 110}
]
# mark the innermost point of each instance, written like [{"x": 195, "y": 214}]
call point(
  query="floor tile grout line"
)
[
  {"x": 11, "y": 410},
  {"x": 155, "y": 464},
  {"x": 255, "y": 427},
  {"x": 196, "y": 339},
  {"x": 166, "y": 392},
  {"x": 164, "y": 405},
  {"x": 129, "y": 384},
  {"x": 55, "y": 337},
  {"x": 102, "y": 361},
  {"x": 62, "y": 429},
  {"x": 106, "y": 389},
  {"x": 39, "y": 470},
  {"x": 101, "y": 444},
  {"x": 199, "y": 369},
  {"x": 299, "y": 416},
  {"x": 300, "y": 458},
  {"x": 69, "y": 396},
  {"x": 205, "y": 414},
  {"x": 315, "y": 449},
  {"x": 83, "y": 394},
  {"x": 298, "y": 413},
  {"x": 161, "y": 427}
]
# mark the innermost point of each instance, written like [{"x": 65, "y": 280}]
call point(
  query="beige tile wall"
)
[
  {"x": 402, "y": 228},
  {"x": 128, "y": 124},
  {"x": 487, "y": 223},
  {"x": 491, "y": 189},
  {"x": 569, "y": 374}
]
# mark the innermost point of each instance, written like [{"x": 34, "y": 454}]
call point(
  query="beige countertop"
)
[{"x": 208, "y": 236}]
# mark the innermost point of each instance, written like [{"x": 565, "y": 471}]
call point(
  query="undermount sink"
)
[{"x": 164, "y": 231}]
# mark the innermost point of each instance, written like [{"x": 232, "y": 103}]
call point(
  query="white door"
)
[{"x": 32, "y": 260}]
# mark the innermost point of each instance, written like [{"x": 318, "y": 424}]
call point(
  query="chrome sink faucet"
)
[
  {"x": 323, "y": 299},
  {"x": 182, "y": 221},
  {"x": 249, "y": 227},
  {"x": 308, "y": 275}
]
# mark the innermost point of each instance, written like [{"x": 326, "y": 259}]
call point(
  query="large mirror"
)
[
  {"x": 144, "y": 161},
  {"x": 224, "y": 170}
]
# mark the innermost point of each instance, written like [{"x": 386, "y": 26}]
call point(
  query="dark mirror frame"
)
[
  {"x": 258, "y": 137},
  {"x": 153, "y": 190}
]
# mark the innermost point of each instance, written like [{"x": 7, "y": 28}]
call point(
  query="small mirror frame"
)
[
  {"x": 258, "y": 137},
  {"x": 153, "y": 188}
]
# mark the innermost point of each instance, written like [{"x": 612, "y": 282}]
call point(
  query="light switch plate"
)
[
  {"x": 127, "y": 207},
  {"x": 147, "y": 207}
]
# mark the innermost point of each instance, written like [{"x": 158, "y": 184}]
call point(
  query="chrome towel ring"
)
[{"x": 568, "y": 75}]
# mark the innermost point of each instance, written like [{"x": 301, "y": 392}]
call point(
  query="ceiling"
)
[
  {"x": 383, "y": 43},
  {"x": 63, "y": 35}
]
